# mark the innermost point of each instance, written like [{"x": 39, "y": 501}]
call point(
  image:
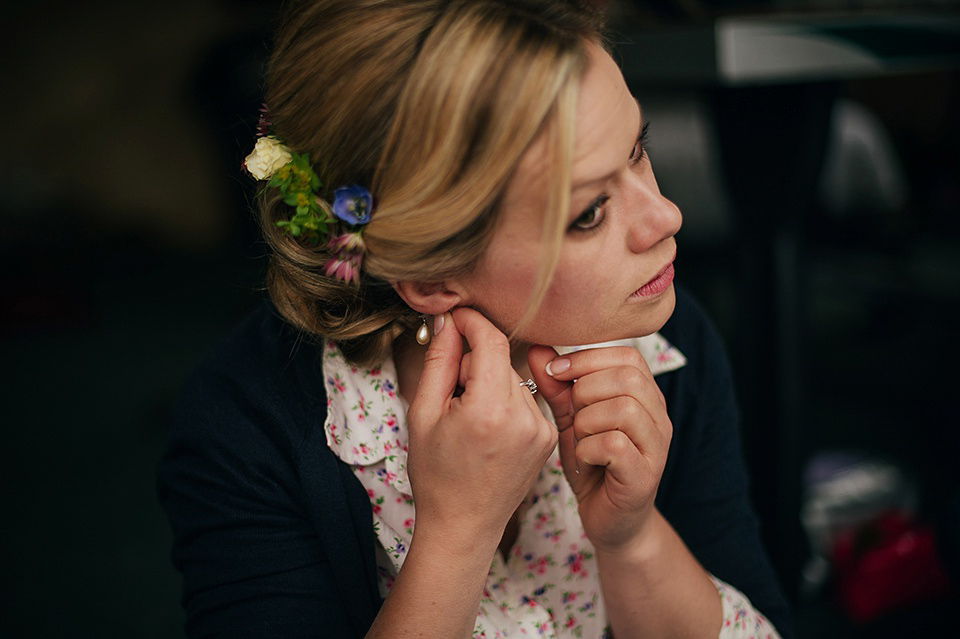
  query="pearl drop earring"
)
[{"x": 423, "y": 333}]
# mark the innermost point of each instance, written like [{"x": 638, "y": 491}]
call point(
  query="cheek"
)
[
  {"x": 575, "y": 289},
  {"x": 579, "y": 295},
  {"x": 501, "y": 288}
]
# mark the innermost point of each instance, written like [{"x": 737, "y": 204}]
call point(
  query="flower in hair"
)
[
  {"x": 346, "y": 267},
  {"x": 353, "y": 204},
  {"x": 267, "y": 157},
  {"x": 298, "y": 185},
  {"x": 347, "y": 243},
  {"x": 264, "y": 125},
  {"x": 347, "y": 252},
  {"x": 313, "y": 220}
]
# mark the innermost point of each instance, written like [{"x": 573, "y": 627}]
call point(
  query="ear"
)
[{"x": 429, "y": 298}]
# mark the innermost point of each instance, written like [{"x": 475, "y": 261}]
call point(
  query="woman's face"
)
[{"x": 615, "y": 271}]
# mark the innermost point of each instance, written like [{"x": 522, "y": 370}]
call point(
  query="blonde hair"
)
[{"x": 431, "y": 103}]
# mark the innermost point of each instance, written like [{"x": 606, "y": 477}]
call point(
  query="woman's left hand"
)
[{"x": 614, "y": 436}]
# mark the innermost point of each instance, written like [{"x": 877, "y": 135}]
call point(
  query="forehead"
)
[{"x": 606, "y": 124}]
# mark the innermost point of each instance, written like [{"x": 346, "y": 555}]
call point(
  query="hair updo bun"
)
[{"x": 430, "y": 104}]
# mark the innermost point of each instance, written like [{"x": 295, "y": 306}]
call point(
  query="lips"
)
[{"x": 658, "y": 284}]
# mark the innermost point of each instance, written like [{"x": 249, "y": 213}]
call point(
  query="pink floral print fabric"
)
[
  {"x": 548, "y": 586},
  {"x": 740, "y": 619}
]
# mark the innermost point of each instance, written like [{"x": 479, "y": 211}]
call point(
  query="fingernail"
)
[
  {"x": 557, "y": 366},
  {"x": 437, "y": 323}
]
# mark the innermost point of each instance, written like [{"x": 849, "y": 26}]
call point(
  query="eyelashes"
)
[
  {"x": 640, "y": 148},
  {"x": 592, "y": 217}
]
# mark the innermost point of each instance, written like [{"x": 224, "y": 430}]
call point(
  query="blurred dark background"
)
[{"x": 127, "y": 248}]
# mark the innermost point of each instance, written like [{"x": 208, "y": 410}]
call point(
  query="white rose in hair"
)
[{"x": 266, "y": 158}]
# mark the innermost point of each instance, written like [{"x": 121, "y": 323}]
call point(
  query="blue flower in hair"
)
[{"x": 353, "y": 204}]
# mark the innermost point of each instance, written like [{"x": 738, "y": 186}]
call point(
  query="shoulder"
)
[
  {"x": 243, "y": 427},
  {"x": 243, "y": 420},
  {"x": 266, "y": 522},
  {"x": 264, "y": 375}
]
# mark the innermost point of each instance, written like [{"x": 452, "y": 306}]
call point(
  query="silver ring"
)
[{"x": 531, "y": 386}]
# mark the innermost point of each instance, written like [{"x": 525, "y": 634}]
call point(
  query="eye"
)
[
  {"x": 592, "y": 217},
  {"x": 640, "y": 148}
]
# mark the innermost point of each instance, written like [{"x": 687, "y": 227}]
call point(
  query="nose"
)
[{"x": 652, "y": 217}]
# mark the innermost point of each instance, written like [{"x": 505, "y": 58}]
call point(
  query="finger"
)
[
  {"x": 464, "y": 366},
  {"x": 555, "y": 392},
  {"x": 568, "y": 459},
  {"x": 490, "y": 353},
  {"x": 619, "y": 381},
  {"x": 524, "y": 391},
  {"x": 616, "y": 453},
  {"x": 559, "y": 398},
  {"x": 575, "y": 365},
  {"x": 441, "y": 367},
  {"x": 622, "y": 414}
]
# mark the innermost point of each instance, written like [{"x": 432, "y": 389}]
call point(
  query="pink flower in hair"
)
[
  {"x": 344, "y": 266},
  {"x": 347, "y": 242}
]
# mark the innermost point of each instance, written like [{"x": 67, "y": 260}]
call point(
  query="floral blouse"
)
[{"x": 549, "y": 585}]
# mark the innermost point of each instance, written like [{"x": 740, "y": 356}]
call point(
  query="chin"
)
[
  {"x": 664, "y": 310},
  {"x": 643, "y": 320}
]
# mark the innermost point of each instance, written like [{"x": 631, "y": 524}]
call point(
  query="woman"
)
[{"x": 331, "y": 475}]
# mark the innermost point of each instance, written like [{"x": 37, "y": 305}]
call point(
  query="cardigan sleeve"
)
[
  {"x": 704, "y": 491},
  {"x": 261, "y": 519}
]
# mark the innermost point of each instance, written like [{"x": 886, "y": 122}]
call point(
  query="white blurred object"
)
[{"x": 862, "y": 172}]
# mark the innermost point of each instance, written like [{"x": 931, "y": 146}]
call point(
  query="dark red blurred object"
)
[{"x": 886, "y": 565}]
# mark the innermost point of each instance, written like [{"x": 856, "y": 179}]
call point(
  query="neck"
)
[{"x": 408, "y": 357}]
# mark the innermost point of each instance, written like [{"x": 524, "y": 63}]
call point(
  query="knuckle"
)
[
  {"x": 660, "y": 396},
  {"x": 629, "y": 377},
  {"x": 629, "y": 355},
  {"x": 629, "y": 408},
  {"x": 484, "y": 420},
  {"x": 639, "y": 363},
  {"x": 483, "y": 431},
  {"x": 667, "y": 429},
  {"x": 619, "y": 444},
  {"x": 492, "y": 416},
  {"x": 637, "y": 378}
]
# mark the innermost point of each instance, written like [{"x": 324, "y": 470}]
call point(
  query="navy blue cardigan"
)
[{"x": 274, "y": 535}]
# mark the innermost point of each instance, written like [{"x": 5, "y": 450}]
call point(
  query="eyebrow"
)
[{"x": 577, "y": 186}]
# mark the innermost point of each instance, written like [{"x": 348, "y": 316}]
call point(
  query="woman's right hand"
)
[{"x": 473, "y": 457}]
